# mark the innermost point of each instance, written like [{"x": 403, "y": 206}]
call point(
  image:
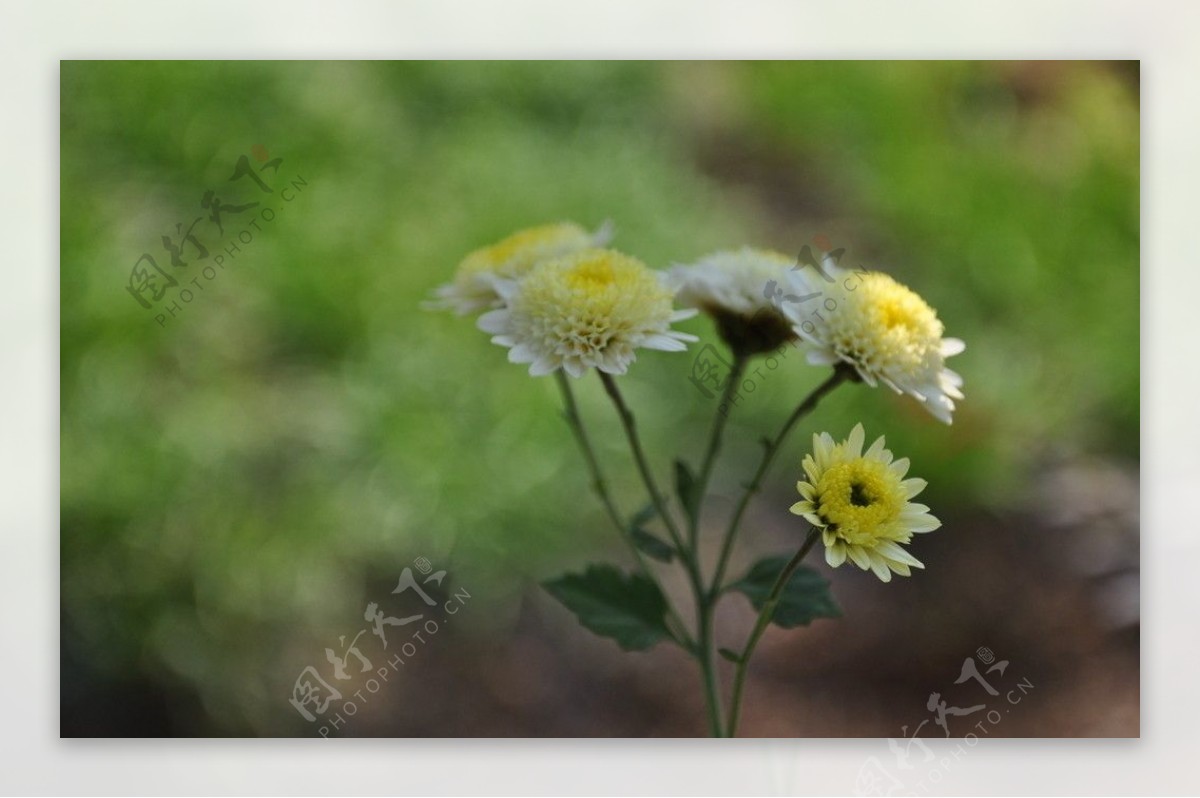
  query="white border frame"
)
[{"x": 34, "y": 38}]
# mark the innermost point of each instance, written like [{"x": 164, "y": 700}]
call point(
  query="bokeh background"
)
[{"x": 238, "y": 482}]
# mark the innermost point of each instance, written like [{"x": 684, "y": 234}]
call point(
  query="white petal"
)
[
  {"x": 926, "y": 523},
  {"x": 494, "y": 321},
  {"x": 822, "y": 357},
  {"x": 866, "y": 375},
  {"x": 940, "y": 411},
  {"x": 854, "y": 443},
  {"x": 889, "y": 382},
  {"x": 821, "y": 446},
  {"x": 880, "y": 567},
  {"x": 604, "y": 233},
  {"x": 952, "y": 346},
  {"x": 835, "y": 555},
  {"x": 521, "y": 354},
  {"x": 893, "y": 552},
  {"x": 859, "y": 557},
  {"x": 664, "y": 343},
  {"x": 574, "y": 367},
  {"x": 543, "y": 366}
]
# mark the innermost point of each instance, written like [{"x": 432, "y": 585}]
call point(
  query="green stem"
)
[
  {"x": 639, "y": 456},
  {"x": 764, "y": 620},
  {"x": 770, "y": 450},
  {"x": 714, "y": 446},
  {"x": 705, "y": 604},
  {"x": 708, "y": 663},
  {"x": 704, "y": 648},
  {"x": 600, "y": 486}
]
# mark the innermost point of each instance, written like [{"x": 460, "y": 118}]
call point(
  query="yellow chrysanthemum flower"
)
[
  {"x": 861, "y": 503},
  {"x": 474, "y": 289},
  {"x": 884, "y": 330},
  {"x": 742, "y": 290},
  {"x": 589, "y": 309}
]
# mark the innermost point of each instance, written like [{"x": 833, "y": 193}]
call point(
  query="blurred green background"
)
[{"x": 238, "y": 482}]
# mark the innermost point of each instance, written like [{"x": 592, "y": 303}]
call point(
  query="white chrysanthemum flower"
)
[
  {"x": 474, "y": 287},
  {"x": 860, "y": 503},
  {"x": 881, "y": 328},
  {"x": 588, "y": 309},
  {"x": 731, "y": 281},
  {"x": 742, "y": 290}
]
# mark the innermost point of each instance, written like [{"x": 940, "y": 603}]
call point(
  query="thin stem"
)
[
  {"x": 764, "y": 620},
  {"x": 704, "y": 647},
  {"x": 639, "y": 456},
  {"x": 706, "y": 604},
  {"x": 771, "y": 449},
  {"x": 600, "y": 485},
  {"x": 708, "y": 663},
  {"x": 714, "y": 446}
]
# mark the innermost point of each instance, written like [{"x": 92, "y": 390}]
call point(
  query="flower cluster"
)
[{"x": 557, "y": 299}]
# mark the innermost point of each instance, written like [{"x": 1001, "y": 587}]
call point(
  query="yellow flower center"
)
[
  {"x": 886, "y": 327},
  {"x": 591, "y": 299},
  {"x": 899, "y": 309},
  {"x": 591, "y": 276},
  {"x": 513, "y": 256},
  {"x": 860, "y": 500}
]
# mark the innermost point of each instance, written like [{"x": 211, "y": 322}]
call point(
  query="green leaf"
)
[
  {"x": 652, "y": 546},
  {"x": 805, "y": 598},
  {"x": 642, "y": 516},
  {"x": 628, "y": 608},
  {"x": 730, "y": 655},
  {"x": 646, "y": 542},
  {"x": 685, "y": 486}
]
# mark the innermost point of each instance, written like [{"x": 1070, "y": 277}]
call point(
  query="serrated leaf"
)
[
  {"x": 685, "y": 487},
  {"x": 730, "y": 655},
  {"x": 629, "y": 608},
  {"x": 805, "y": 598},
  {"x": 650, "y": 545}
]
